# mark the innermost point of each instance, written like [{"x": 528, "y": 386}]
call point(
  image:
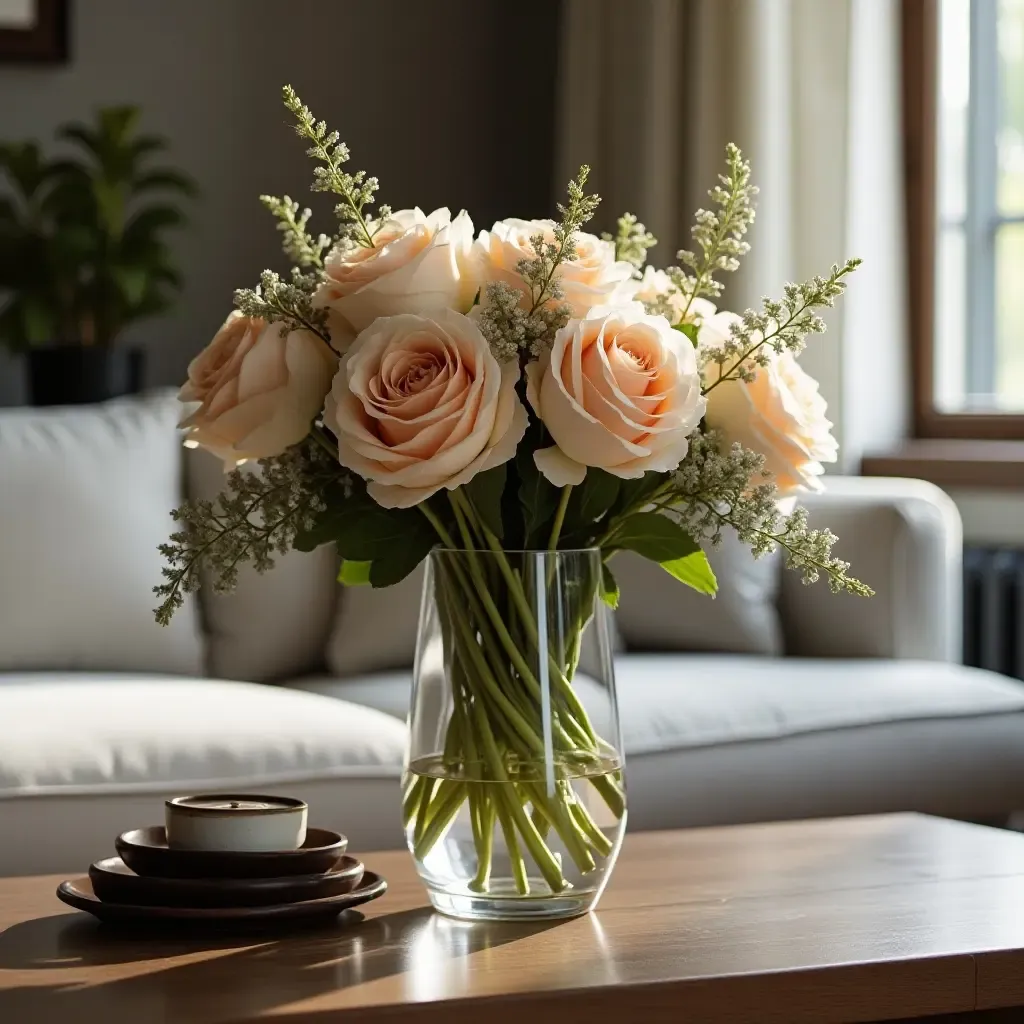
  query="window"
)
[{"x": 964, "y": 102}]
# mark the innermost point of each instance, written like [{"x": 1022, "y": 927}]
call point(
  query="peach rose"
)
[
  {"x": 779, "y": 414},
  {"x": 594, "y": 278},
  {"x": 657, "y": 286},
  {"x": 619, "y": 390},
  {"x": 420, "y": 403},
  {"x": 258, "y": 386},
  {"x": 418, "y": 264}
]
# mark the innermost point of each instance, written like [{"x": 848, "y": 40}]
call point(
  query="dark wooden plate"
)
[
  {"x": 78, "y": 893},
  {"x": 146, "y": 852},
  {"x": 114, "y": 882}
]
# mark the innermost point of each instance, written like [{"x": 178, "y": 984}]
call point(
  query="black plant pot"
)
[{"x": 76, "y": 375}]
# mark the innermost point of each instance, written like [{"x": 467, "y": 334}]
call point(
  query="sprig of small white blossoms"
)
[
  {"x": 289, "y": 302},
  {"x": 254, "y": 519},
  {"x": 718, "y": 234},
  {"x": 512, "y": 325},
  {"x": 357, "y": 191},
  {"x": 713, "y": 489},
  {"x": 298, "y": 244},
  {"x": 779, "y": 327},
  {"x": 632, "y": 240}
]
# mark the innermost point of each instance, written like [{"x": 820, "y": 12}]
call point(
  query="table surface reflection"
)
[{"x": 843, "y": 920}]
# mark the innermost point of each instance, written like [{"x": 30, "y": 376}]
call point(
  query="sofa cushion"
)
[
  {"x": 375, "y": 629},
  {"x": 85, "y": 498},
  {"x": 713, "y": 739},
  {"x": 274, "y": 624},
  {"x": 658, "y": 613},
  {"x": 85, "y": 757}
]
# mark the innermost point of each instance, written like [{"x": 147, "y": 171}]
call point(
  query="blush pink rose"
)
[
  {"x": 594, "y": 278},
  {"x": 619, "y": 390},
  {"x": 258, "y": 387},
  {"x": 420, "y": 403},
  {"x": 779, "y": 414},
  {"x": 418, "y": 264}
]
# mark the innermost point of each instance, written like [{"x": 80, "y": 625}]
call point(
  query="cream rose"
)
[
  {"x": 420, "y": 403},
  {"x": 619, "y": 390},
  {"x": 779, "y": 414},
  {"x": 657, "y": 286},
  {"x": 594, "y": 278},
  {"x": 258, "y": 387},
  {"x": 418, "y": 264}
]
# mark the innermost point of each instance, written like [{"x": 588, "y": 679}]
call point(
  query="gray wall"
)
[{"x": 448, "y": 102}]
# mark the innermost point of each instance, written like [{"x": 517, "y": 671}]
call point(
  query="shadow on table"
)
[{"x": 230, "y": 976}]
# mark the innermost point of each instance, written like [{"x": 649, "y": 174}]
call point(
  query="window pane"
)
[
  {"x": 954, "y": 93},
  {"x": 1010, "y": 317},
  {"x": 950, "y": 321},
  {"x": 1011, "y": 123}
]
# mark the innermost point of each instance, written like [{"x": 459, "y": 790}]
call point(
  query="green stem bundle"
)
[{"x": 518, "y": 735}]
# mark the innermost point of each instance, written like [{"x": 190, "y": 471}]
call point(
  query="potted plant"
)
[{"x": 83, "y": 255}]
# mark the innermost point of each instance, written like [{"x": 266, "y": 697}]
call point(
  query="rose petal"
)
[{"x": 557, "y": 468}]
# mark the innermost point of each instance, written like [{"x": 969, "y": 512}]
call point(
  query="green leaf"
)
[
  {"x": 132, "y": 283},
  {"x": 690, "y": 330},
  {"x": 609, "y": 587},
  {"x": 538, "y": 499},
  {"x": 634, "y": 493},
  {"x": 354, "y": 574},
  {"x": 150, "y": 220},
  {"x": 655, "y": 537},
  {"x": 368, "y": 534},
  {"x": 693, "y": 570},
  {"x": 484, "y": 492},
  {"x": 165, "y": 180},
  {"x": 401, "y": 560},
  {"x": 593, "y": 498}
]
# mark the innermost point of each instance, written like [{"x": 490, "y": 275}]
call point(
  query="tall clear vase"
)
[{"x": 514, "y": 796}]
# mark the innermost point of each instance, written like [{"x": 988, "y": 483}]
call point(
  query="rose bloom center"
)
[{"x": 623, "y": 376}]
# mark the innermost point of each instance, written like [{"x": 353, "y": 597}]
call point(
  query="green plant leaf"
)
[
  {"x": 401, "y": 560},
  {"x": 537, "y": 497},
  {"x": 132, "y": 283},
  {"x": 633, "y": 493},
  {"x": 609, "y": 587},
  {"x": 484, "y": 492},
  {"x": 591, "y": 499},
  {"x": 354, "y": 574},
  {"x": 374, "y": 533},
  {"x": 164, "y": 180},
  {"x": 692, "y": 331},
  {"x": 693, "y": 570},
  {"x": 151, "y": 219},
  {"x": 110, "y": 199},
  {"x": 655, "y": 537}
]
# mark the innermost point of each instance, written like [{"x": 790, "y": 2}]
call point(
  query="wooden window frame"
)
[{"x": 920, "y": 39}]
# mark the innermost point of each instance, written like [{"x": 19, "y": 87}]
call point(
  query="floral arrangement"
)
[{"x": 409, "y": 386}]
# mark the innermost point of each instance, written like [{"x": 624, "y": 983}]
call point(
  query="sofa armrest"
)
[{"x": 903, "y": 538}]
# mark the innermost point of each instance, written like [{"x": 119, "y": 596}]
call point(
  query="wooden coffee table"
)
[{"x": 858, "y": 919}]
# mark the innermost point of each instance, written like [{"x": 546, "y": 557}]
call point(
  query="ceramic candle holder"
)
[{"x": 235, "y": 823}]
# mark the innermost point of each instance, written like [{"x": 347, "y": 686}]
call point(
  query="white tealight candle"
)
[{"x": 235, "y": 824}]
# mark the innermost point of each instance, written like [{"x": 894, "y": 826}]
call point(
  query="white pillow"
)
[
  {"x": 85, "y": 499},
  {"x": 658, "y": 613},
  {"x": 274, "y": 624}
]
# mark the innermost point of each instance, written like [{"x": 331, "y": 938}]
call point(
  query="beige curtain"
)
[{"x": 652, "y": 90}]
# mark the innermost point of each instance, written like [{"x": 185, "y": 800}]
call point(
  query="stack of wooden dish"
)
[{"x": 211, "y": 863}]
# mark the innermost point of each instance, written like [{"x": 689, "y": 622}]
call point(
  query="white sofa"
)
[{"x": 103, "y": 714}]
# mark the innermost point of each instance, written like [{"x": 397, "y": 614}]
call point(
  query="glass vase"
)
[{"x": 514, "y": 797}]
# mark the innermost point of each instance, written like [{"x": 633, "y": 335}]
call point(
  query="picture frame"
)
[{"x": 33, "y": 31}]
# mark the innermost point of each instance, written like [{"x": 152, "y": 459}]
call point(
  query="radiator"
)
[{"x": 994, "y": 609}]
